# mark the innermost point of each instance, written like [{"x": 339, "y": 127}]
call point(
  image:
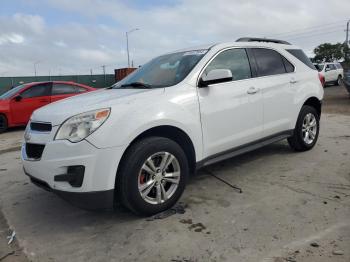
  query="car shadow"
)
[
  {"x": 15, "y": 129},
  {"x": 50, "y": 212}
]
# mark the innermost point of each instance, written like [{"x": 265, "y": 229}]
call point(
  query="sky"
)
[{"x": 63, "y": 37}]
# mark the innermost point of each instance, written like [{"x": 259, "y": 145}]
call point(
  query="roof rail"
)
[{"x": 257, "y": 39}]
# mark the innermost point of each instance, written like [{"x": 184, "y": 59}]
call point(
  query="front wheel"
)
[
  {"x": 306, "y": 130},
  {"x": 3, "y": 123},
  {"x": 339, "y": 80},
  {"x": 152, "y": 176}
]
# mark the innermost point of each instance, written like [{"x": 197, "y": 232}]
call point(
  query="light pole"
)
[
  {"x": 127, "y": 43},
  {"x": 35, "y": 63}
]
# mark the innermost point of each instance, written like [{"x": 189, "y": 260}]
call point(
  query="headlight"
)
[{"x": 81, "y": 126}]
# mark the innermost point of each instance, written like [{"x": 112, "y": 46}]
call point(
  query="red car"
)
[{"x": 17, "y": 104}]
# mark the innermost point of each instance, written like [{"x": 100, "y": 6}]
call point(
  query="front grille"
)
[
  {"x": 41, "y": 127},
  {"x": 34, "y": 151}
]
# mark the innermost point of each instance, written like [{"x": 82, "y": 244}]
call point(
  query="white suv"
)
[
  {"x": 138, "y": 141},
  {"x": 333, "y": 73}
]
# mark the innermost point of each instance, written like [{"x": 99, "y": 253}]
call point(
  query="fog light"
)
[{"x": 74, "y": 176}]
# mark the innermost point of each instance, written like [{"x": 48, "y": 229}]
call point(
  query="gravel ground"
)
[{"x": 294, "y": 207}]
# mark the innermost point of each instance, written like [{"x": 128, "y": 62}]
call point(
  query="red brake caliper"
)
[{"x": 142, "y": 179}]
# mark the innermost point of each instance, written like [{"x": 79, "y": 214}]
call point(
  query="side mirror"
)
[
  {"x": 215, "y": 76},
  {"x": 327, "y": 69},
  {"x": 18, "y": 98}
]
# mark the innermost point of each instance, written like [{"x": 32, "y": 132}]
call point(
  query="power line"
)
[
  {"x": 310, "y": 27},
  {"x": 316, "y": 34},
  {"x": 313, "y": 31}
]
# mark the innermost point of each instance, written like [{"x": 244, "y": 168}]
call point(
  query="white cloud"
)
[
  {"x": 100, "y": 39},
  {"x": 34, "y": 23},
  {"x": 60, "y": 43},
  {"x": 12, "y": 38},
  {"x": 93, "y": 55}
]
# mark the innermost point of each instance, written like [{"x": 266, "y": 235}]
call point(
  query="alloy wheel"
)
[
  {"x": 309, "y": 128},
  {"x": 159, "y": 178}
]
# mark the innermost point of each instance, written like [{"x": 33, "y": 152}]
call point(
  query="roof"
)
[{"x": 283, "y": 45}]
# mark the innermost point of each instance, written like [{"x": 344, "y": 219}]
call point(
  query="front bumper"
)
[
  {"x": 100, "y": 168},
  {"x": 101, "y": 200}
]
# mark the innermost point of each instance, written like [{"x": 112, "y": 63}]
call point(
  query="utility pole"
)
[
  {"x": 347, "y": 42},
  {"x": 127, "y": 43},
  {"x": 347, "y": 33},
  {"x": 104, "y": 74}
]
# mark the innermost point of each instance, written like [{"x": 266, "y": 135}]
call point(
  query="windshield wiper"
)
[{"x": 137, "y": 84}]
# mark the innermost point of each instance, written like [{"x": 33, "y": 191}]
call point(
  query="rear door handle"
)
[{"x": 252, "y": 90}]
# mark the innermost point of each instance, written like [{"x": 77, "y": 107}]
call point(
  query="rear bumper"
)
[{"x": 98, "y": 200}]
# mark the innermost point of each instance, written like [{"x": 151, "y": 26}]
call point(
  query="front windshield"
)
[
  {"x": 11, "y": 92},
  {"x": 163, "y": 71}
]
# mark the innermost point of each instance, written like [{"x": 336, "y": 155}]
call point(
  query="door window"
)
[
  {"x": 37, "y": 91},
  {"x": 330, "y": 67},
  {"x": 269, "y": 62},
  {"x": 63, "y": 89},
  {"x": 235, "y": 60}
]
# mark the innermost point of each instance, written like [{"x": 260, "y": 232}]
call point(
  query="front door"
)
[
  {"x": 32, "y": 98},
  {"x": 231, "y": 112},
  {"x": 330, "y": 73}
]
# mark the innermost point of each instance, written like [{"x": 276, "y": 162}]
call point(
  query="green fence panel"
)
[{"x": 97, "y": 81}]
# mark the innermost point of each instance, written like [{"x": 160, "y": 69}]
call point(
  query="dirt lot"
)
[{"x": 294, "y": 207}]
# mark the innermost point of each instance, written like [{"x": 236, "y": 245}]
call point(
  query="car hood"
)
[{"x": 59, "y": 111}]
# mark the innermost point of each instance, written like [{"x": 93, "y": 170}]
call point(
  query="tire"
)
[
  {"x": 135, "y": 173},
  {"x": 3, "y": 123},
  {"x": 302, "y": 140},
  {"x": 339, "y": 80}
]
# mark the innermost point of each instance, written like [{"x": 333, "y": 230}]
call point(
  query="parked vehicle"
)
[
  {"x": 347, "y": 81},
  {"x": 138, "y": 141},
  {"x": 18, "y": 103},
  {"x": 333, "y": 72}
]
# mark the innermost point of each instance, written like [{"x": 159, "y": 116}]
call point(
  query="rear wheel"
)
[
  {"x": 339, "y": 80},
  {"x": 3, "y": 123},
  {"x": 306, "y": 130},
  {"x": 152, "y": 176}
]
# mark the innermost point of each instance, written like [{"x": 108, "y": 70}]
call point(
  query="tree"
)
[{"x": 328, "y": 52}]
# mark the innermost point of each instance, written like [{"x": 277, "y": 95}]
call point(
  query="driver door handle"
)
[{"x": 252, "y": 90}]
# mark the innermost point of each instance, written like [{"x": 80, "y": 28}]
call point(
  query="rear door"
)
[
  {"x": 63, "y": 90},
  {"x": 30, "y": 99},
  {"x": 277, "y": 82}
]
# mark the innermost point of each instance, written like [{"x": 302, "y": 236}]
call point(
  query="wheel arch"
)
[
  {"x": 6, "y": 119},
  {"x": 171, "y": 132},
  {"x": 315, "y": 103}
]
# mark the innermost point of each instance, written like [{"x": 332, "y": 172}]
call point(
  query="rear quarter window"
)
[{"x": 300, "y": 55}]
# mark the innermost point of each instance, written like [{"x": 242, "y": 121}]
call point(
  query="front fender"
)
[{"x": 129, "y": 121}]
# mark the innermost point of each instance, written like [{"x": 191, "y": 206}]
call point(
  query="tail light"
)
[{"x": 322, "y": 80}]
